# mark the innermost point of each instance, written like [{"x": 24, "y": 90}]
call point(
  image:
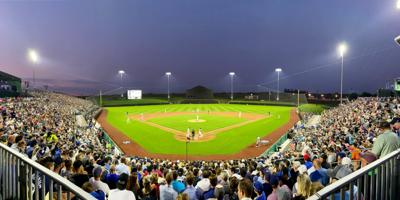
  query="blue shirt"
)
[
  {"x": 167, "y": 193},
  {"x": 209, "y": 194},
  {"x": 178, "y": 186},
  {"x": 261, "y": 197},
  {"x": 191, "y": 191}
]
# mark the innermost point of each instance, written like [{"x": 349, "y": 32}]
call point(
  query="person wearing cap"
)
[
  {"x": 97, "y": 183},
  {"x": 387, "y": 142},
  {"x": 341, "y": 170},
  {"x": 259, "y": 190},
  {"x": 121, "y": 192},
  {"x": 307, "y": 161},
  {"x": 267, "y": 185}
]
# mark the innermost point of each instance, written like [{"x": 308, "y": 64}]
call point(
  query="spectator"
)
[
  {"x": 121, "y": 192},
  {"x": 190, "y": 190},
  {"x": 98, "y": 194},
  {"x": 80, "y": 175},
  {"x": 387, "y": 142},
  {"x": 97, "y": 184},
  {"x": 166, "y": 191},
  {"x": 245, "y": 189}
]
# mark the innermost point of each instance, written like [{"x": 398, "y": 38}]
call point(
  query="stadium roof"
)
[{"x": 8, "y": 77}]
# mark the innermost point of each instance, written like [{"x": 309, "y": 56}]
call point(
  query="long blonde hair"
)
[{"x": 303, "y": 185}]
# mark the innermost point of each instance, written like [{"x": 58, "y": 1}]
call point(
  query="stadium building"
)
[{"x": 9, "y": 85}]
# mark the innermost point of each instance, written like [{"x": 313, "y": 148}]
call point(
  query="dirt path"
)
[{"x": 134, "y": 149}]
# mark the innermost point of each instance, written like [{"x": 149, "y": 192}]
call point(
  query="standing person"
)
[
  {"x": 188, "y": 134},
  {"x": 193, "y": 134},
  {"x": 385, "y": 143},
  {"x": 200, "y": 133},
  {"x": 121, "y": 192}
]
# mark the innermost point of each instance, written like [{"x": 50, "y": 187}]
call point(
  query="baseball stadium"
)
[{"x": 154, "y": 100}]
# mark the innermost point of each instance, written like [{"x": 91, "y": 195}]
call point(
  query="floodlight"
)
[
  {"x": 278, "y": 69},
  {"x": 33, "y": 56},
  {"x": 342, "y": 49},
  {"x": 232, "y": 73}
]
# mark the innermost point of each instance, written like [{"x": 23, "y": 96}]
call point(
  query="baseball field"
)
[{"x": 226, "y": 129}]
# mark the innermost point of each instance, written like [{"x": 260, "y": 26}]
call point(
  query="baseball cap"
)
[
  {"x": 258, "y": 186},
  {"x": 306, "y": 157},
  {"x": 395, "y": 120},
  {"x": 274, "y": 180},
  {"x": 315, "y": 176},
  {"x": 346, "y": 161}
]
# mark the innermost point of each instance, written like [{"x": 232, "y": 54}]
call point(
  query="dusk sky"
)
[{"x": 82, "y": 44}]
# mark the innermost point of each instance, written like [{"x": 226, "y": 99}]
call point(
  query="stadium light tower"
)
[
  {"x": 279, "y": 70},
  {"x": 121, "y": 73},
  {"x": 33, "y": 56},
  {"x": 398, "y": 5},
  {"x": 232, "y": 74},
  {"x": 168, "y": 74},
  {"x": 342, "y": 48}
]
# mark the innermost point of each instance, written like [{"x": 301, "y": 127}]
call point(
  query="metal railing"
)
[
  {"x": 23, "y": 178},
  {"x": 378, "y": 180}
]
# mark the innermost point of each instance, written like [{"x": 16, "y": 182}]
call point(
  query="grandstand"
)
[{"x": 321, "y": 152}]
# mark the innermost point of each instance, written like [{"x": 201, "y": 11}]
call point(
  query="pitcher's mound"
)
[{"x": 196, "y": 121}]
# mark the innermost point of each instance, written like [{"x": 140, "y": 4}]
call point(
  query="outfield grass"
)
[
  {"x": 232, "y": 141},
  {"x": 313, "y": 108},
  {"x": 132, "y": 102},
  {"x": 212, "y": 122}
]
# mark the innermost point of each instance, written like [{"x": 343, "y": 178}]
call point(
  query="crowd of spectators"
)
[{"x": 347, "y": 137}]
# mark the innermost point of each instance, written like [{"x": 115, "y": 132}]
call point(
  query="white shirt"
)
[
  {"x": 122, "y": 168},
  {"x": 117, "y": 194},
  {"x": 99, "y": 185}
]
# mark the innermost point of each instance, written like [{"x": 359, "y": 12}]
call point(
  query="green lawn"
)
[
  {"x": 313, "y": 108},
  {"x": 229, "y": 142},
  {"x": 180, "y": 122}
]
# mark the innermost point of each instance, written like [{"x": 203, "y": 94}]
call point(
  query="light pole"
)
[
  {"x": 279, "y": 70},
  {"x": 231, "y": 74},
  {"x": 168, "y": 74},
  {"x": 34, "y": 58},
  {"x": 342, "y": 48},
  {"x": 121, "y": 73},
  {"x": 398, "y": 4}
]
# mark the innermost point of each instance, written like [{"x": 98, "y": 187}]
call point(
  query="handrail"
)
[
  {"x": 56, "y": 177},
  {"x": 353, "y": 176}
]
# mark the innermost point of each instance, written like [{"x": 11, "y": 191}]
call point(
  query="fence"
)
[
  {"x": 378, "y": 180},
  {"x": 22, "y": 178},
  {"x": 274, "y": 147}
]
